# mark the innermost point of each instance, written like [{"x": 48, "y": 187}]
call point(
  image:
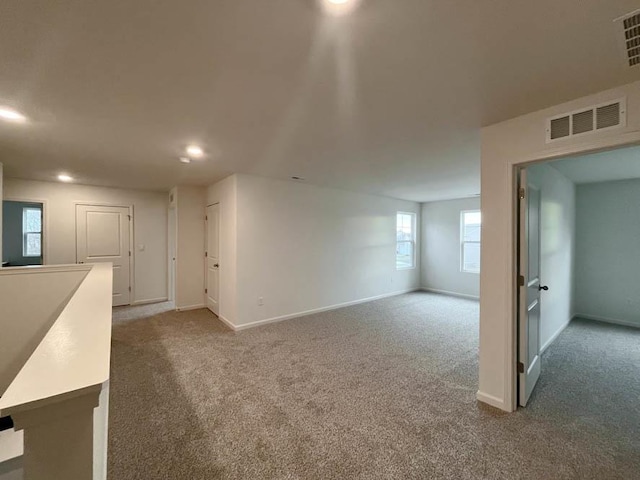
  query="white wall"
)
[
  {"x": 302, "y": 247},
  {"x": 225, "y": 193},
  {"x": 557, "y": 248},
  {"x": 440, "y": 266},
  {"x": 149, "y": 227},
  {"x": 505, "y": 145},
  {"x": 190, "y": 205},
  {"x": 607, "y": 255}
]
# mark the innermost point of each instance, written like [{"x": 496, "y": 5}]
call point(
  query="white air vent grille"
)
[
  {"x": 629, "y": 32},
  {"x": 587, "y": 121}
]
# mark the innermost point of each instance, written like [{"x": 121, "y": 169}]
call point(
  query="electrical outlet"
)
[{"x": 260, "y": 301}]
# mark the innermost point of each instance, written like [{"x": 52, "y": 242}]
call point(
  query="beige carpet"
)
[{"x": 384, "y": 390}]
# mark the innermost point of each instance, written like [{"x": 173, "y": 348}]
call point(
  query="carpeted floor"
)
[{"x": 384, "y": 390}]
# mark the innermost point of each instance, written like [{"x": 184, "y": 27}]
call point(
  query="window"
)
[
  {"x": 405, "y": 240},
  {"x": 31, "y": 232},
  {"x": 470, "y": 225}
]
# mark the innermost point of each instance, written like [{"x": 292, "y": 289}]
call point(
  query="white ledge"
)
[{"x": 73, "y": 357}]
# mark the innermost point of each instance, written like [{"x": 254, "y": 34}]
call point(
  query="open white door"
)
[
  {"x": 102, "y": 236},
  {"x": 213, "y": 260},
  {"x": 529, "y": 364}
]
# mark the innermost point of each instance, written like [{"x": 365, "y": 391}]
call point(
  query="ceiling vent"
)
[
  {"x": 587, "y": 120},
  {"x": 629, "y": 33}
]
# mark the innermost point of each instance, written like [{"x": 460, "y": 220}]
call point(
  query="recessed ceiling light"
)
[
  {"x": 195, "y": 151},
  {"x": 185, "y": 160},
  {"x": 63, "y": 177},
  {"x": 339, "y": 7},
  {"x": 11, "y": 115}
]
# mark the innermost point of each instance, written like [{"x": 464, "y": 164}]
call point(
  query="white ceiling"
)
[
  {"x": 388, "y": 100},
  {"x": 620, "y": 164}
]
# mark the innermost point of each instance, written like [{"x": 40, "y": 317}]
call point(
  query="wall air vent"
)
[
  {"x": 587, "y": 120},
  {"x": 629, "y": 33}
]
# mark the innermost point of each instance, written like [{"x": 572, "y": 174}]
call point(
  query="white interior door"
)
[
  {"x": 529, "y": 364},
  {"x": 172, "y": 254},
  {"x": 102, "y": 236},
  {"x": 213, "y": 260}
]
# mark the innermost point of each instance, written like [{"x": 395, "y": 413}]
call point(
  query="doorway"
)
[
  {"x": 171, "y": 253},
  {"x": 212, "y": 219},
  {"x": 22, "y": 233},
  {"x": 103, "y": 235},
  {"x": 578, "y": 262}
]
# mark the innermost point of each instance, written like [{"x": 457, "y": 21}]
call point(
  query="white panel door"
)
[
  {"x": 529, "y": 363},
  {"x": 102, "y": 236},
  {"x": 213, "y": 257}
]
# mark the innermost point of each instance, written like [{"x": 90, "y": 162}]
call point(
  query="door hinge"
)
[
  {"x": 521, "y": 193},
  {"x": 206, "y": 290},
  {"x": 206, "y": 217},
  {"x": 129, "y": 217},
  {"x": 129, "y": 252},
  {"x": 205, "y": 254},
  {"x": 129, "y": 288},
  {"x": 520, "y": 281},
  {"x": 520, "y": 367}
]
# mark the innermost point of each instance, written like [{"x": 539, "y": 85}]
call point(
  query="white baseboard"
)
[
  {"x": 149, "y": 301},
  {"x": 191, "y": 307},
  {"x": 555, "y": 335},
  {"x": 451, "y": 294},
  {"x": 493, "y": 401},
  {"x": 319, "y": 310},
  {"x": 624, "y": 323},
  {"x": 227, "y": 323}
]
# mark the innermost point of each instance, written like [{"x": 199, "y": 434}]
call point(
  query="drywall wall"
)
[
  {"x": 607, "y": 258},
  {"x": 225, "y": 194},
  {"x": 504, "y": 146},
  {"x": 557, "y": 248},
  {"x": 12, "y": 236},
  {"x": 190, "y": 205},
  {"x": 302, "y": 248},
  {"x": 440, "y": 266},
  {"x": 149, "y": 226}
]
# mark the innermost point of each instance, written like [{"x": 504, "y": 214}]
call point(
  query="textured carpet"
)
[{"x": 384, "y": 390}]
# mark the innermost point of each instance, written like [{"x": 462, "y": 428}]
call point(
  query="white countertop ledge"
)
[{"x": 73, "y": 357}]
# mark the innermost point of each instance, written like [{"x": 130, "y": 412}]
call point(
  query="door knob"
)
[
  {"x": 215, "y": 265},
  {"x": 543, "y": 287}
]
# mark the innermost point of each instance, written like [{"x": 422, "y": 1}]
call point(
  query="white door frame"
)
[
  {"x": 206, "y": 256},
  {"x": 511, "y": 335},
  {"x": 132, "y": 245},
  {"x": 45, "y": 222},
  {"x": 171, "y": 272}
]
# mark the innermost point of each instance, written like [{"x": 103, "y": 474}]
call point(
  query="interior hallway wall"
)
[
  {"x": 441, "y": 248},
  {"x": 557, "y": 249},
  {"x": 607, "y": 253},
  {"x": 190, "y": 205},
  {"x": 303, "y": 247},
  {"x": 149, "y": 226}
]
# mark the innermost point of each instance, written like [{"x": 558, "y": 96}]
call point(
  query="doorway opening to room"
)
[
  {"x": 23, "y": 236},
  {"x": 578, "y": 322}
]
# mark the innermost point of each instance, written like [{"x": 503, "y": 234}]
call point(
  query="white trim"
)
[
  {"x": 451, "y": 294},
  {"x": 149, "y": 301},
  {"x": 555, "y": 335},
  {"x": 493, "y": 401},
  {"x": 191, "y": 307},
  {"x": 614, "y": 321},
  {"x": 227, "y": 323},
  {"x": 320, "y": 310}
]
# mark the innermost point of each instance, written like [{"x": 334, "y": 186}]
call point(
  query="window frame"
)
[
  {"x": 25, "y": 233},
  {"x": 413, "y": 241},
  {"x": 463, "y": 242}
]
